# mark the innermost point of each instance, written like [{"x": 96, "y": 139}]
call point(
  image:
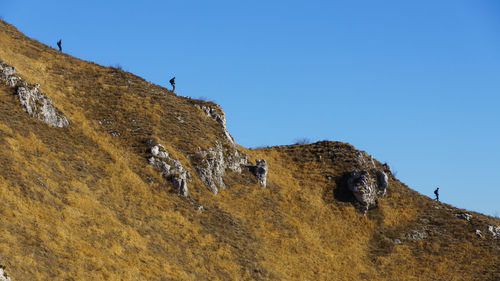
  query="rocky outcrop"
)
[
  {"x": 171, "y": 169},
  {"x": 3, "y": 274},
  {"x": 260, "y": 171},
  {"x": 220, "y": 118},
  {"x": 212, "y": 168},
  {"x": 464, "y": 216},
  {"x": 40, "y": 106},
  {"x": 214, "y": 162},
  {"x": 382, "y": 180},
  {"x": 495, "y": 231},
  {"x": 7, "y": 75},
  {"x": 417, "y": 235},
  {"x": 366, "y": 188},
  {"x": 33, "y": 101}
]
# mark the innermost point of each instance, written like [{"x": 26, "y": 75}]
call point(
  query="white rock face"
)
[
  {"x": 464, "y": 216},
  {"x": 224, "y": 155},
  {"x": 34, "y": 102},
  {"x": 213, "y": 168},
  {"x": 221, "y": 119},
  {"x": 214, "y": 163},
  {"x": 363, "y": 188},
  {"x": 3, "y": 275},
  {"x": 260, "y": 171},
  {"x": 171, "y": 168},
  {"x": 40, "y": 106},
  {"x": 495, "y": 231},
  {"x": 366, "y": 188},
  {"x": 7, "y": 75}
]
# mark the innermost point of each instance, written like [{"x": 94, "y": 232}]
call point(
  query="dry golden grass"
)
[{"x": 80, "y": 204}]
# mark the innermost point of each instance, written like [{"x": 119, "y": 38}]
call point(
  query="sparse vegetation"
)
[
  {"x": 80, "y": 204},
  {"x": 302, "y": 141}
]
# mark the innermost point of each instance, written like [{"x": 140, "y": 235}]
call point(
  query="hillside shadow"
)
[{"x": 341, "y": 192}]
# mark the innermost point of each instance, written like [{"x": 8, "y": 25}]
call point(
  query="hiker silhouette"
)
[
  {"x": 59, "y": 44},
  {"x": 436, "y": 192},
  {"x": 172, "y": 82}
]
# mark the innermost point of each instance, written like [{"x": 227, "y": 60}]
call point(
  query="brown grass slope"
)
[{"x": 81, "y": 204}]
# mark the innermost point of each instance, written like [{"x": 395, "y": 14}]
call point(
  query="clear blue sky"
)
[{"x": 414, "y": 83}]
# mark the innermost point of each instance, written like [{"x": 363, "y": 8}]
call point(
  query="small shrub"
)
[{"x": 302, "y": 141}]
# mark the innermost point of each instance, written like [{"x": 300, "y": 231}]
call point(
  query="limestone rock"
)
[
  {"x": 40, "y": 106},
  {"x": 34, "y": 102},
  {"x": 478, "y": 233},
  {"x": 220, "y": 118},
  {"x": 382, "y": 181},
  {"x": 214, "y": 163},
  {"x": 363, "y": 188},
  {"x": 7, "y": 75},
  {"x": 396, "y": 241},
  {"x": 260, "y": 171},
  {"x": 171, "y": 168},
  {"x": 464, "y": 216},
  {"x": 213, "y": 167},
  {"x": 495, "y": 231},
  {"x": 3, "y": 274},
  {"x": 366, "y": 187},
  {"x": 417, "y": 235}
]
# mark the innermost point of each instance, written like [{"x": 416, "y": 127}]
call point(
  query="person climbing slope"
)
[
  {"x": 436, "y": 192},
  {"x": 59, "y": 44},
  {"x": 172, "y": 82}
]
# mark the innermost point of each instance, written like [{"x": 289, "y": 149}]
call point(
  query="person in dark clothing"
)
[
  {"x": 436, "y": 192},
  {"x": 172, "y": 82},
  {"x": 59, "y": 44}
]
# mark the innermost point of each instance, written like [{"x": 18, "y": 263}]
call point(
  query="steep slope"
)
[{"x": 83, "y": 202}]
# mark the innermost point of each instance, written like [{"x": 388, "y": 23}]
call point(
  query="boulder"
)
[
  {"x": 464, "y": 216},
  {"x": 382, "y": 181},
  {"x": 3, "y": 274},
  {"x": 417, "y": 235},
  {"x": 495, "y": 231},
  {"x": 260, "y": 171}
]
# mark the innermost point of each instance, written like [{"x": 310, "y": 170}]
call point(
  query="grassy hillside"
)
[{"x": 82, "y": 203}]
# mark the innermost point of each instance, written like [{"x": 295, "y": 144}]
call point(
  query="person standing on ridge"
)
[
  {"x": 436, "y": 192},
  {"x": 172, "y": 82},
  {"x": 59, "y": 44}
]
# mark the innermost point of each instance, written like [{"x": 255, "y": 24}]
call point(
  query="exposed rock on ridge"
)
[
  {"x": 221, "y": 119},
  {"x": 366, "y": 188},
  {"x": 215, "y": 161}
]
